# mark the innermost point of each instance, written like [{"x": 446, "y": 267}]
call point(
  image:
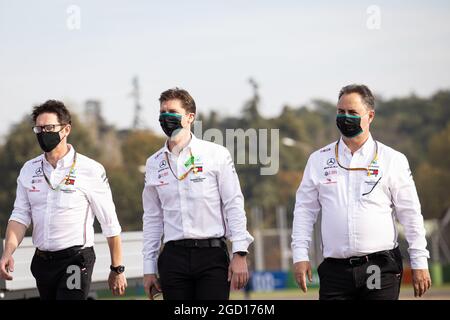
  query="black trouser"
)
[
  {"x": 342, "y": 279},
  {"x": 65, "y": 274},
  {"x": 194, "y": 273}
]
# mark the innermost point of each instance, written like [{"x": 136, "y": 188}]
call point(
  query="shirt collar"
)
[
  {"x": 65, "y": 161},
  {"x": 367, "y": 147},
  {"x": 192, "y": 145}
]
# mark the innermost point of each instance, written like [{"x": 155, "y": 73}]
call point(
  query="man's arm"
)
[
  {"x": 15, "y": 233},
  {"x": 18, "y": 224},
  {"x": 115, "y": 250},
  {"x": 306, "y": 210},
  {"x": 408, "y": 211},
  {"x": 233, "y": 207},
  {"x": 117, "y": 282},
  {"x": 102, "y": 204},
  {"x": 152, "y": 233}
]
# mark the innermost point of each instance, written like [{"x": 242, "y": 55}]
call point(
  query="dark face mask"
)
[
  {"x": 48, "y": 140},
  {"x": 350, "y": 126},
  {"x": 170, "y": 122}
]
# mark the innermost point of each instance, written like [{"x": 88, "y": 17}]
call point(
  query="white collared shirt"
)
[
  {"x": 206, "y": 204},
  {"x": 358, "y": 210},
  {"x": 64, "y": 217}
]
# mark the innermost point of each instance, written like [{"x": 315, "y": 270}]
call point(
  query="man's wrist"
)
[
  {"x": 117, "y": 269},
  {"x": 241, "y": 254}
]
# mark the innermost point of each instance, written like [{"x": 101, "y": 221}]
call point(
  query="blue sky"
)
[{"x": 296, "y": 50}]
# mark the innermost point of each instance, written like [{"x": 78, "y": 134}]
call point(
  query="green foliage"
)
[
  {"x": 127, "y": 181},
  {"x": 433, "y": 176}
]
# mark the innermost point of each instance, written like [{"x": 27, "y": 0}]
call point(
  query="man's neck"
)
[
  {"x": 181, "y": 140},
  {"x": 354, "y": 144},
  {"x": 57, "y": 154}
]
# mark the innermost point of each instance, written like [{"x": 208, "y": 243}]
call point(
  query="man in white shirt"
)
[
  {"x": 361, "y": 187},
  {"x": 192, "y": 198},
  {"x": 61, "y": 192}
]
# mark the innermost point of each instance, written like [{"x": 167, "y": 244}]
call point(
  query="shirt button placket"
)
[{"x": 182, "y": 194}]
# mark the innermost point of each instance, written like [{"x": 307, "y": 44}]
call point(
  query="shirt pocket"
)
[
  {"x": 197, "y": 184},
  {"x": 372, "y": 190},
  {"x": 330, "y": 187},
  {"x": 68, "y": 198}
]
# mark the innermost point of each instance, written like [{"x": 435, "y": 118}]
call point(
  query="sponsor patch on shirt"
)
[
  {"x": 198, "y": 179},
  {"x": 162, "y": 164},
  {"x": 330, "y": 172},
  {"x": 163, "y": 174},
  {"x": 198, "y": 169},
  {"x": 34, "y": 189},
  {"x": 329, "y": 181},
  {"x": 38, "y": 173},
  {"x": 373, "y": 172},
  {"x": 162, "y": 183},
  {"x": 70, "y": 182}
]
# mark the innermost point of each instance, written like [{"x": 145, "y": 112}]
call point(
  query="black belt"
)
[
  {"x": 358, "y": 261},
  {"x": 60, "y": 254},
  {"x": 198, "y": 243}
]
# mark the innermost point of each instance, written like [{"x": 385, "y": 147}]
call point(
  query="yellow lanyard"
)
[
  {"x": 356, "y": 169},
  {"x": 184, "y": 175},
  {"x": 66, "y": 178}
]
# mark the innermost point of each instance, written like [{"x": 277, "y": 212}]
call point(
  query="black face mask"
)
[
  {"x": 350, "y": 126},
  {"x": 170, "y": 122},
  {"x": 48, "y": 140}
]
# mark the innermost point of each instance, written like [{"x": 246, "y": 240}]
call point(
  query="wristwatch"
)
[
  {"x": 241, "y": 253},
  {"x": 118, "y": 269}
]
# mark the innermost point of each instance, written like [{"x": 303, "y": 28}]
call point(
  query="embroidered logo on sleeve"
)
[{"x": 105, "y": 179}]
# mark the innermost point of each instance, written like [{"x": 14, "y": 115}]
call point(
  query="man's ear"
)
[
  {"x": 371, "y": 115},
  {"x": 191, "y": 118},
  {"x": 67, "y": 130}
]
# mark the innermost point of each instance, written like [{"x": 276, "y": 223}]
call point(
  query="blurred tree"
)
[
  {"x": 138, "y": 146},
  {"x": 433, "y": 176},
  {"x": 127, "y": 182}
]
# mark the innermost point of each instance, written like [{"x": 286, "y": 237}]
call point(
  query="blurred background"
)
[{"x": 253, "y": 64}]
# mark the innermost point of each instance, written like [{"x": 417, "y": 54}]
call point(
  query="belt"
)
[
  {"x": 198, "y": 243},
  {"x": 358, "y": 261},
  {"x": 60, "y": 254}
]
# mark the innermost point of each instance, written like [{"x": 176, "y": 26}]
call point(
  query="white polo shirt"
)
[
  {"x": 64, "y": 217},
  {"x": 206, "y": 204},
  {"x": 358, "y": 210}
]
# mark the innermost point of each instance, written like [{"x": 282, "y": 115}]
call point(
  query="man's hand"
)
[
  {"x": 301, "y": 269},
  {"x": 117, "y": 283},
  {"x": 14, "y": 236},
  {"x": 238, "y": 272},
  {"x": 151, "y": 284},
  {"x": 421, "y": 281},
  {"x": 6, "y": 267}
]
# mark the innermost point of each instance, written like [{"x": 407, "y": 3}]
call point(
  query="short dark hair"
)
[
  {"x": 53, "y": 106},
  {"x": 365, "y": 93},
  {"x": 187, "y": 101}
]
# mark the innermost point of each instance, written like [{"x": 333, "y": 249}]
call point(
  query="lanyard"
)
[
  {"x": 190, "y": 161},
  {"x": 66, "y": 179},
  {"x": 375, "y": 158}
]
